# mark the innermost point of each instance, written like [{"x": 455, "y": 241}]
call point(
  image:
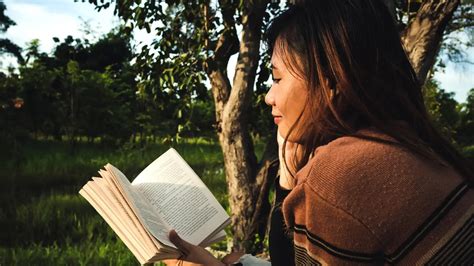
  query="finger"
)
[
  {"x": 171, "y": 262},
  {"x": 179, "y": 242},
  {"x": 233, "y": 257}
]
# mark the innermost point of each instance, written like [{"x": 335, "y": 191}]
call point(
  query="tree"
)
[
  {"x": 443, "y": 109},
  {"x": 12, "y": 119},
  {"x": 196, "y": 37},
  {"x": 41, "y": 100},
  {"x": 6, "y": 46},
  {"x": 11, "y": 106},
  {"x": 425, "y": 27},
  {"x": 466, "y": 125},
  {"x": 76, "y": 91}
]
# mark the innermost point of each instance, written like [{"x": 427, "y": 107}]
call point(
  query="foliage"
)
[
  {"x": 459, "y": 35},
  {"x": 442, "y": 108},
  {"x": 91, "y": 89},
  {"x": 455, "y": 120},
  {"x": 465, "y": 132},
  {"x": 6, "y": 46},
  {"x": 468, "y": 151},
  {"x": 83, "y": 89},
  {"x": 188, "y": 32},
  {"x": 10, "y": 130},
  {"x": 173, "y": 67},
  {"x": 12, "y": 118}
]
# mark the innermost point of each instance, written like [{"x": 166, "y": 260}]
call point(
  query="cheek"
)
[
  {"x": 296, "y": 101},
  {"x": 290, "y": 98}
]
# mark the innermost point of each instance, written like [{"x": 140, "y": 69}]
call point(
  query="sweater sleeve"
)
[{"x": 325, "y": 234}]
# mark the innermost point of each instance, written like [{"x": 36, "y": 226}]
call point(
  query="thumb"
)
[{"x": 179, "y": 242}]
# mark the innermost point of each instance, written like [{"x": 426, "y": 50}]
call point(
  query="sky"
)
[{"x": 45, "y": 19}]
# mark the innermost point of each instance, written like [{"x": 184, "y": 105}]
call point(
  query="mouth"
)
[{"x": 277, "y": 119}]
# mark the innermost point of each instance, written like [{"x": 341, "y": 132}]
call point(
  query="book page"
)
[
  {"x": 88, "y": 193},
  {"x": 149, "y": 239},
  {"x": 144, "y": 211},
  {"x": 181, "y": 198},
  {"x": 119, "y": 213}
]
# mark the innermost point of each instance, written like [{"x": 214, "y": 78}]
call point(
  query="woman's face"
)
[{"x": 287, "y": 97}]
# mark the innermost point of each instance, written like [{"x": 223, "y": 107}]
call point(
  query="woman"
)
[{"x": 365, "y": 177}]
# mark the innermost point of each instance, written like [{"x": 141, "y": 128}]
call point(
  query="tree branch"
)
[
  {"x": 216, "y": 65},
  {"x": 249, "y": 56},
  {"x": 422, "y": 38},
  {"x": 235, "y": 110}
]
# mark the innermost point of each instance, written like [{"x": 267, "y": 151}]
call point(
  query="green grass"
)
[
  {"x": 85, "y": 253},
  {"x": 51, "y": 163},
  {"x": 45, "y": 222},
  {"x": 59, "y": 229},
  {"x": 55, "y": 218}
]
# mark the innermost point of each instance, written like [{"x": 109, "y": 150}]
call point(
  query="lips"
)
[{"x": 277, "y": 119}]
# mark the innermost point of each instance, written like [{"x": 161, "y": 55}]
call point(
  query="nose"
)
[{"x": 270, "y": 97}]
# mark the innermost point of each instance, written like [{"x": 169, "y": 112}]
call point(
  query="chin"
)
[{"x": 293, "y": 137}]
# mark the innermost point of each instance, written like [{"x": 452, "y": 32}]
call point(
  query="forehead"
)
[
  {"x": 285, "y": 61},
  {"x": 276, "y": 60}
]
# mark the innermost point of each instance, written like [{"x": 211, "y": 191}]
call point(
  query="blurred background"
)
[{"x": 87, "y": 83}]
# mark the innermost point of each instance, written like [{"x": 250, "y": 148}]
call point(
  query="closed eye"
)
[{"x": 276, "y": 80}]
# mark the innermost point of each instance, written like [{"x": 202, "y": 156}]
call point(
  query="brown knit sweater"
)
[{"x": 361, "y": 201}]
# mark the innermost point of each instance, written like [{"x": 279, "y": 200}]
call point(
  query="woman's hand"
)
[
  {"x": 192, "y": 255},
  {"x": 232, "y": 258},
  {"x": 286, "y": 180}
]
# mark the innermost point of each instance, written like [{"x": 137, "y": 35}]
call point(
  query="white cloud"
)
[
  {"x": 44, "y": 20},
  {"x": 38, "y": 23}
]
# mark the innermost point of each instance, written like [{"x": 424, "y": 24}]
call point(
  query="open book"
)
[{"x": 166, "y": 195}]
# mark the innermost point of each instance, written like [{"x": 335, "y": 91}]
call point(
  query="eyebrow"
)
[{"x": 273, "y": 66}]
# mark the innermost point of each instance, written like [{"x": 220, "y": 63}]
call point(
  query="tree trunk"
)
[
  {"x": 422, "y": 37},
  {"x": 247, "y": 180}
]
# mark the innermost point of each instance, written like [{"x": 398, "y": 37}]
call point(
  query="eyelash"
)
[{"x": 276, "y": 80}]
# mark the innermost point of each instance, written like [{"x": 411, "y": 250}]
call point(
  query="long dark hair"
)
[{"x": 358, "y": 75}]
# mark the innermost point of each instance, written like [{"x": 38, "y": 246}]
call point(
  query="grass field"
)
[{"x": 43, "y": 219}]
